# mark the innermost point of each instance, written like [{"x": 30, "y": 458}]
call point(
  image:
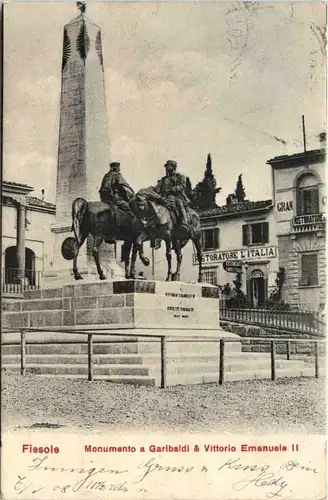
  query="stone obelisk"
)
[{"x": 83, "y": 148}]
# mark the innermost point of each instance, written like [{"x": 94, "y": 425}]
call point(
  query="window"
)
[
  {"x": 209, "y": 275},
  {"x": 307, "y": 196},
  {"x": 210, "y": 238},
  {"x": 309, "y": 269},
  {"x": 256, "y": 233}
]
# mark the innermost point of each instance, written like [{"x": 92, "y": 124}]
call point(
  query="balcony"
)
[
  {"x": 11, "y": 285},
  {"x": 309, "y": 223}
]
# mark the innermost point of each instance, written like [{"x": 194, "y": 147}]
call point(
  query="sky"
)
[{"x": 182, "y": 80}]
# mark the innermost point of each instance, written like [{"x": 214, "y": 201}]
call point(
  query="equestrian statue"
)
[
  {"x": 153, "y": 214},
  {"x": 166, "y": 215}
]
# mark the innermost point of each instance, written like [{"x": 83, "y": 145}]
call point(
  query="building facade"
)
[
  {"x": 27, "y": 242},
  {"x": 299, "y": 211},
  {"x": 242, "y": 235}
]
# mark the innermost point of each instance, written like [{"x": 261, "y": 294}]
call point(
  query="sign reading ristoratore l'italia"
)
[{"x": 244, "y": 255}]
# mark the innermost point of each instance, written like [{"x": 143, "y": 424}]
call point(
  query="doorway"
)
[{"x": 258, "y": 288}]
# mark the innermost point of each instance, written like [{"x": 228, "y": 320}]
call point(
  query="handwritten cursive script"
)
[{"x": 43, "y": 477}]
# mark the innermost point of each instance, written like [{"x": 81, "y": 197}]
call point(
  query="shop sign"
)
[
  {"x": 284, "y": 206},
  {"x": 232, "y": 266},
  {"x": 243, "y": 255},
  {"x": 301, "y": 220}
]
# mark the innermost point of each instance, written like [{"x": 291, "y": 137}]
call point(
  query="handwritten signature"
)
[{"x": 272, "y": 481}]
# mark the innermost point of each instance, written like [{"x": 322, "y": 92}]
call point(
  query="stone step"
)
[
  {"x": 131, "y": 347},
  {"x": 197, "y": 348},
  {"x": 176, "y": 366},
  {"x": 103, "y": 348},
  {"x": 99, "y": 359},
  {"x": 266, "y": 374},
  {"x": 117, "y": 379},
  {"x": 119, "y": 370}
]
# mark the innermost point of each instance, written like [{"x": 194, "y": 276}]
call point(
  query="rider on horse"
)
[
  {"x": 175, "y": 188},
  {"x": 115, "y": 189}
]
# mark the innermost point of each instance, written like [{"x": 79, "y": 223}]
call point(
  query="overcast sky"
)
[{"x": 182, "y": 80}]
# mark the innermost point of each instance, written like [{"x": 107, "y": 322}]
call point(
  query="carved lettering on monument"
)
[{"x": 181, "y": 309}]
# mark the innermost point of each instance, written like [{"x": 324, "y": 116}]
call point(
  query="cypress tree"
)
[
  {"x": 240, "y": 191},
  {"x": 206, "y": 190}
]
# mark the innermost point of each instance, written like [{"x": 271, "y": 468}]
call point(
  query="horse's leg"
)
[
  {"x": 168, "y": 244},
  {"x": 76, "y": 272},
  {"x": 133, "y": 261},
  {"x": 126, "y": 256},
  {"x": 95, "y": 252},
  {"x": 137, "y": 247},
  {"x": 198, "y": 244},
  {"x": 177, "y": 249}
]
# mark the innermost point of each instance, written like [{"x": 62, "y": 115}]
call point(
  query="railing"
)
[
  {"x": 308, "y": 223},
  {"x": 12, "y": 284},
  {"x": 163, "y": 349},
  {"x": 296, "y": 321}
]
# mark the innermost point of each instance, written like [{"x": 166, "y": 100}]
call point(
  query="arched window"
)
[
  {"x": 307, "y": 195},
  {"x": 11, "y": 265},
  {"x": 257, "y": 273}
]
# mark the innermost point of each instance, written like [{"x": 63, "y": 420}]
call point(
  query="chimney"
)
[{"x": 42, "y": 194}]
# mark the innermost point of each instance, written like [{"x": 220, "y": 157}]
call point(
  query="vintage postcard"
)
[{"x": 163, "y": 271}]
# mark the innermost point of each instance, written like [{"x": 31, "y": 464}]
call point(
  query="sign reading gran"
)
[{"x": 244, "y": 255}]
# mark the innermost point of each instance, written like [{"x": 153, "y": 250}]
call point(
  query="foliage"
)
[
  {"x": 206, "y": 190},
  {"x": 226, "y": 289},
  {"x": 274, "y": 301},
  {"x": 240, "y": 191},
  {"x": 237, "y": 292}
]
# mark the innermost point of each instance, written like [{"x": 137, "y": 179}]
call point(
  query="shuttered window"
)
[
  {"x": 210, "y": 238},
  {"x": 209, "y": 275},
  {"x": 245, "y": 234},
  {"x": 307, "y": 201},
  {"x": 309, "y": 269},
  {"x": 255, "y": 233}
]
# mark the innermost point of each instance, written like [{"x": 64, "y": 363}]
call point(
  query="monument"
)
[
  {"x": 83, "y": 146},
  {"x": 184, "y": 313}
]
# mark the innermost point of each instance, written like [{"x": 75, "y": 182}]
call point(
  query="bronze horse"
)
[
  {"x": 162, "y": 224},
  {"x": 105, "y": 223}
]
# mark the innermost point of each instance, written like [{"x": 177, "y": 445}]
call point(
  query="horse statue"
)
[
  {"x": 161, "y": 222},
  {"x": 106, "y": 223}
]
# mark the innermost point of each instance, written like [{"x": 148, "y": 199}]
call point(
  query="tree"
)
[
  {"x": 206, "y": 190},
  {"x": 240, "y": 191},
  {"x": 239, "y": 298}
]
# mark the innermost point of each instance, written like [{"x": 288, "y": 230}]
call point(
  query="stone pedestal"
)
[
  {"x": 118, "y": 311},
  {"x": 133, "y": 304}
]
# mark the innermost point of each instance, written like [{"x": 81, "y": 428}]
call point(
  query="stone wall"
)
[{"x": 249, "y": 345}]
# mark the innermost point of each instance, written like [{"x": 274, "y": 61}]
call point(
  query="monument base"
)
[
  {"x": 128, "y": 319},
  {"x": 63, "y": 277}
]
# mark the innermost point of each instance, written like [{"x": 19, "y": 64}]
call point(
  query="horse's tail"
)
[{"x": 79, "y": 208}]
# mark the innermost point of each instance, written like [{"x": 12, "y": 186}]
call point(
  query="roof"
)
[
  {"x": 17, "y": 184},
  {"x": 16, "y": 187},
  {"x": 37, "y": 202},
  {"x": 235, "y": 210},
  {"x": 298, "y": 159}
]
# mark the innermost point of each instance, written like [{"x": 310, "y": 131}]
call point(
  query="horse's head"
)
[{"x": 140, "y": 204}]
